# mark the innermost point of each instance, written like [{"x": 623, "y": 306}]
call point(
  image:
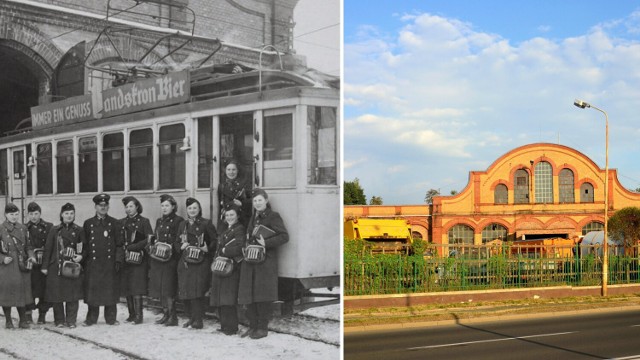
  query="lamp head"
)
[{"x": 581, "y": 104}]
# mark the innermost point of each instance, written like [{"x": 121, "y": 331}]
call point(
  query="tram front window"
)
[
  {"x": 321, "y": 124},
  {"x": 278, "y": 150}
]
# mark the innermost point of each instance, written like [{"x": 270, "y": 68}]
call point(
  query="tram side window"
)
[
  {"x": 64, "y": 166},
  {"x": 172, "y": 159},
  {"x": 278, "y": 150},
  {"x": 141, "y": 159},
  {"x": 3, "y": 172},
  {"x": 88, "y": 163},
  {"x": 45, "y": 169},
  {"x": 321, "y": 124},
  {"x": 113, "y": 162}
]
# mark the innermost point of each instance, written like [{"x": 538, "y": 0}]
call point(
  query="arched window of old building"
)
[
  {"x": 566, "y": 186},
  {"x": 521, "y": 188},
  {"x": 416, "y": 235},
  {"x": 461, "y": 234},
  {"x": 544, "y": 182},
  {"x": 493, "y": 232},
  {"x": 501, "y": 194},
  {"x": 586, "y": 193},
  {"x": 592, "y": 226}
]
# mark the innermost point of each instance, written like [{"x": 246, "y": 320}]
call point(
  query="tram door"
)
[
  {"x": 18, "y": 178},
  {"x": 236, "y": 142}
]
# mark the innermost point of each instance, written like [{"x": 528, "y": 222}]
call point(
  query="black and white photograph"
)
[{"x": 170, "y": 173}]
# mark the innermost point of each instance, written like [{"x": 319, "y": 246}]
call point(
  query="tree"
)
[
  {"x": 625, "y": 223},
  {"x": 354, "y": 193},
  {"x": 428, "y": 198},
  {"x": 375, "y": 200}
]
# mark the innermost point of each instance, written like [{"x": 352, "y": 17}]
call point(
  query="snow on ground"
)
[{"x": 152, "y": 341}]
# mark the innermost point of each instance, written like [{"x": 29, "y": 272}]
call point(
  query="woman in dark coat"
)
[
  {"x": 15, "y": 280},
  {"x": 194, "y": 279},
  {"x": 38, "y": 231},
  {"x": 234, "y": 190},
  {"x": 135, "y": 231},
  {"x": 63, "y": 292},
  {"x": 259, "y": 282},
  {"x": 163, "y": 279},
  {"x": 224, "y": 290}
]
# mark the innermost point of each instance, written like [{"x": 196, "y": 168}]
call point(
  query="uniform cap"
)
[
  {"x": 33, "y": 206},
  {"x": 128, "y": 199},
  {"x": 232, "y": 206},
  {"x": 101, "y": 199},
  {"x": 191, "y": 200},
  {"x": 10, "y": 208},
  {"x": 67, "y": 207},
  {"x": 167, "y": 197},
  {"x": 259, "y": 191}
]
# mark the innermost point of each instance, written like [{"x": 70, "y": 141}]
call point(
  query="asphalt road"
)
[{"x": 600, "y": 335}]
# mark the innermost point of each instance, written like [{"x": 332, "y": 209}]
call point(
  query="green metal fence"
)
[{"x": 475, "y": 267}]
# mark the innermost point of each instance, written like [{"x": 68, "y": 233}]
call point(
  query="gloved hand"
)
[
  {"x": 44, "y": 271},
  {"x": 77, "y": 258},
  {"x": 184, "y": 245},
  {"x": 118, "y": 264},
  {"x": 8, "y": 260}
]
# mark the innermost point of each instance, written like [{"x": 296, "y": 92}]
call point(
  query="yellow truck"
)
[{"x": 388, "y": 236}]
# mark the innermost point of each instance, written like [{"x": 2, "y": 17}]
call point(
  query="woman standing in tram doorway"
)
[
  {"x": 197, "y": 236},
  {"x": 164, "y": 259},
  {"x": 15, "y": 254},
  {"x": 259, "y": 274},
  {"x": 224, "y": 289},
  {"x": 135, "y": 231},
  {"x": 65, "y": 243},
  {"x": 234, "y": 190}
]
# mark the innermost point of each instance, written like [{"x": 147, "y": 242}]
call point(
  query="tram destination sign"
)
[{"x": 170, "y": 89}]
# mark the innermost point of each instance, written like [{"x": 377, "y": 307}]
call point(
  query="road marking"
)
[{"x": 487, "y": 341}]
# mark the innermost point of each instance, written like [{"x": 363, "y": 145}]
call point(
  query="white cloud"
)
[{"x": 441, "y": 94}]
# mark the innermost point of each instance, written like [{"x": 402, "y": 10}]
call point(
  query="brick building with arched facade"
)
[{"x": 534, "y": 191}]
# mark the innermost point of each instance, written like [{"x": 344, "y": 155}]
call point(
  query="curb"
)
[{"x": 489, "y": 318}]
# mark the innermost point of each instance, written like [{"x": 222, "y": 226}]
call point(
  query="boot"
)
[
  {"x": 29, "y": 317},
  {"x": 132, "y": 310},
  {"x": 165, "y": 315},
  {"x": 173, "y": 317},
  {"x": 137, "y": 305},
  {"x": 7, "y": 315},
  {"x": 22, "y": 313},
  {"x": 42, "y": 316},
  {"x": 196, "y": 314}
]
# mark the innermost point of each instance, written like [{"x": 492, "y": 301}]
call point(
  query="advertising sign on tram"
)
[{"x": 173, "y": 88}]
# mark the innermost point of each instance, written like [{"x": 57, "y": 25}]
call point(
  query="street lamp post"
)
[{"x": 605, "y": 247}]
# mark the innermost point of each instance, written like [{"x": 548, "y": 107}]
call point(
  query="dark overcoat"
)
[
  {"x": 195, "y": 279},
  {"x": 238, "y": 189},
  {"x": 38, "y": 236},
  {"x": 163, "y": 278},
  {"x": 104, "y": 249},
  {"x": 224, "y": 290},
  {"x": 59, "y": 288},
  {"x": 135, "y": 232},
  {"x": 15, "y": 285},
  {"x": 259, "y": 282}
]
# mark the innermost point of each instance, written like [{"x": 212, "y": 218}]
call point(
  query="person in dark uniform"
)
[
  {"x": 235, "y": 190},
  {"x": 259, "y": 281},
  {"x": 38, "y": 231},
  {"x": 104, "y": 258},
  {"x": 162, "y": 274},
  {"x": 224, "y": 290},
  {"x": 194, "y": 278},
  {"x": 135, "y": 231},
  {"x": 15, "y": 280},
  {"x": 65, "y": 242}
]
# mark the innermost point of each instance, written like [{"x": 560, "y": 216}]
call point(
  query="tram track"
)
[{"x": 11, "y": 353}]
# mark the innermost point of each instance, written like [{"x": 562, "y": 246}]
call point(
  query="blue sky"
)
[{"x": 436, "y": 89}]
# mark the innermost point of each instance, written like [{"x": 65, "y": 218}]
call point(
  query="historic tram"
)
[{"x": 173, "y": 134}]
